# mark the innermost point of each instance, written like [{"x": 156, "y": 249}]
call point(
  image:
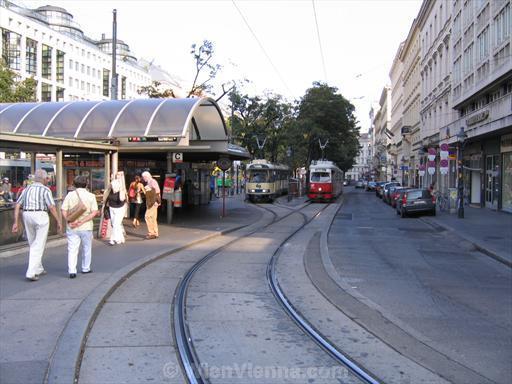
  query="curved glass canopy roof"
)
[{"x": 101, "y": 120}]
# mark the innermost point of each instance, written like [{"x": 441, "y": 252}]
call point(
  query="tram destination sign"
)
[{"x": 149, "y": 139}]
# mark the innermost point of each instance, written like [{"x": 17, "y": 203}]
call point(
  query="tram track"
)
[{"x": 188, "y": 357}]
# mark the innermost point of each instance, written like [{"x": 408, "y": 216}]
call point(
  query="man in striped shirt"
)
[{"x": 36, "y": 200}]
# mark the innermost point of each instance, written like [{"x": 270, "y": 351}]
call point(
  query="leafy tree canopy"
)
[{"x": 13, "y": 90}]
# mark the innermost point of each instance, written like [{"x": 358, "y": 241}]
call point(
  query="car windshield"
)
[
  {"x": 258, "y": 177},
  {"x": 320, "y": 177}
]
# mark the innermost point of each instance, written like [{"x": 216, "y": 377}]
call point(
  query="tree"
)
[
  {"x": 256, "y": 119},
  {"x": 203, "y": 57},
  {"x": 13, "y": 90},
  {"x": 323, "y": 114}
]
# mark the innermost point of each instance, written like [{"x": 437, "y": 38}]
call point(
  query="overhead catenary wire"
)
[
  {"x": 319, "y": 42},
  {"x": 261, "y": 47}
]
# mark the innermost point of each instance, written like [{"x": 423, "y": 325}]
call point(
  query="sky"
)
[{"x": 280, "y": 46}]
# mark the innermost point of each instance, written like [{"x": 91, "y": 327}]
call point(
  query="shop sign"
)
[{"x": 479, "y": 117}]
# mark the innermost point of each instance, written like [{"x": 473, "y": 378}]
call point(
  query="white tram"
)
[
  {"x": 266, "y": 181},
  {"x": 325, "y": 181}
]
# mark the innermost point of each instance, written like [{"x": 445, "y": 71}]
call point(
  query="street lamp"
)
[{"x": 461, "y": 140}]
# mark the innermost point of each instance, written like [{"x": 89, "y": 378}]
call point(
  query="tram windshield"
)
[
  {"x": 320, "y": 177},
  {"x": 258, "y": 177}
]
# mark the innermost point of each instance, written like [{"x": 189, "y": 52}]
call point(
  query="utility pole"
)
[{"x": 113, "y": 86}]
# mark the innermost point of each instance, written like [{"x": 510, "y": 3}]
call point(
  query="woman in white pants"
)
[{"x": 116, "y": 202}]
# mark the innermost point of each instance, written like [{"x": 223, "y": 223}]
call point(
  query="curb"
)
[
  {"x": 482, "y": 249},
  {"x": 64, "y": 362}
]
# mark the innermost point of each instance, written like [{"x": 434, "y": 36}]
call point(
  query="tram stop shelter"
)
[{"x": 98, "y": 138}]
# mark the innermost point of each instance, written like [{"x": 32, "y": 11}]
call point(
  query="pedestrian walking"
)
[
  {"x": 35, "y": 201},
  {"x": 116, "y": 203},
  {"x": 79, "y": 232},
  {"x": 135, "y": 193},
  {"x": 152, "y": 202}
]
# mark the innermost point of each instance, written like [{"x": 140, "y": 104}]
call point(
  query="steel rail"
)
[
  {"x": 302, "y": 322},
  {"x": 185, "y": 348}
]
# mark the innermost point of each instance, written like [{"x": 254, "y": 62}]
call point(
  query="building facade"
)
[
  {"x": 395, "y": 149},
  {"x": 436, "y": 105},
  {"x": 48, "y": 45},
  {"x": 410, "y": 132},
  {"x": 361, "y": 168},
  {"x": 382, "y": 137},
  {"x": 456, "y": 80},
  {"x": 482, "y": 97}
]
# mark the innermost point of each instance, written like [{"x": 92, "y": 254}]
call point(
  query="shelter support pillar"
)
[
  {"x": 115, "y": 162},
  {"x": 107, "y": 168},
  {"x": 170, "y": 205},
  {"x": 59, "y": 178},
  {"x": 33, "y": 162}
]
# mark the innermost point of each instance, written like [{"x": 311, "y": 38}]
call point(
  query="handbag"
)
[
  {"x": 132, "y": 193},
  {"x": 76, "y": 211}
]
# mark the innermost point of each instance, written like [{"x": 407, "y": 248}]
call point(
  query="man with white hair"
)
[
  {"x": 152, "y": 202},
  {"x": 36, "y": 200}
]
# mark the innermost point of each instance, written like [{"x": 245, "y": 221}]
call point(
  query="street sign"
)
[
  {"x": 177, "y": 157},
  {"x": 224, "y": 163}
]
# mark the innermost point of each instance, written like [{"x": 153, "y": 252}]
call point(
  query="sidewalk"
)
[
  {"x": 488, "y": 231},
  {"x": 45, "y": 321}
]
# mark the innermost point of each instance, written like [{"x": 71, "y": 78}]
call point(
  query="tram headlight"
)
[
  {"x": 320, "y": 189},
  {"x": 253, "y": 190}
]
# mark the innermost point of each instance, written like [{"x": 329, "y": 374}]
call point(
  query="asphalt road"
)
[{"x": 451, "y": 306}]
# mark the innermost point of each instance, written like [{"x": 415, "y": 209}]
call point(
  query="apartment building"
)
[
  {"x": 436, "y": 105},
  {"x": 395, "y": 149},
  {"x": 49, "y": 45},
  {"x": 361, "y": 168},
  {"x": 482, "y": 96},
  {"x": 382, "y": 166},
  {"x": 410, "y": 132}
]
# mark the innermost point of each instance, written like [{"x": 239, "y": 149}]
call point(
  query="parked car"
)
[
  {"x": 359, "y": 184},
  {"x": 394, "y": 195},
  {"x": 386, "y": 190},
  {"x": 416, "y": 200},
  {"x": 378, "y": 188},
  {"x": 371, "y": 186}
]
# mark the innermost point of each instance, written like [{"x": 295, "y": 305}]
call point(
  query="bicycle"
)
[{"x": 441, "y": 201}]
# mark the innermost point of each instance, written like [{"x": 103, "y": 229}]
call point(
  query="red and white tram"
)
[{"x": 325, "y": 181}]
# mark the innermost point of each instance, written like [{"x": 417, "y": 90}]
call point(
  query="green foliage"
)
[
  {"x": 13, "y": 90},
  {"x": 323, "y": 115},
  {"x": 292, "y": 132},
  {"x": 153, "y": 91}
]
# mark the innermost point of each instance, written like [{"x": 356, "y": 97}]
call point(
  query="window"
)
[
  {"x": 123, "y": 87},
  {"x": 468, "y": 59},
  {"x": 502, "y": 26},
  {"x": 31, "y": 52},
  {"x": 71, "y": 64},
  {"x": 60, "y": 66},
  {"x": 46, "y": 92},
  {"x": 60, "y": 94},
  {"x": 46, "y": 63},
  {"x": 482, "y": 45},
  {"x": 11, "y": 49},
  {"x": 70, "y": 81},
  {"x": 106, "y": 77}
]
